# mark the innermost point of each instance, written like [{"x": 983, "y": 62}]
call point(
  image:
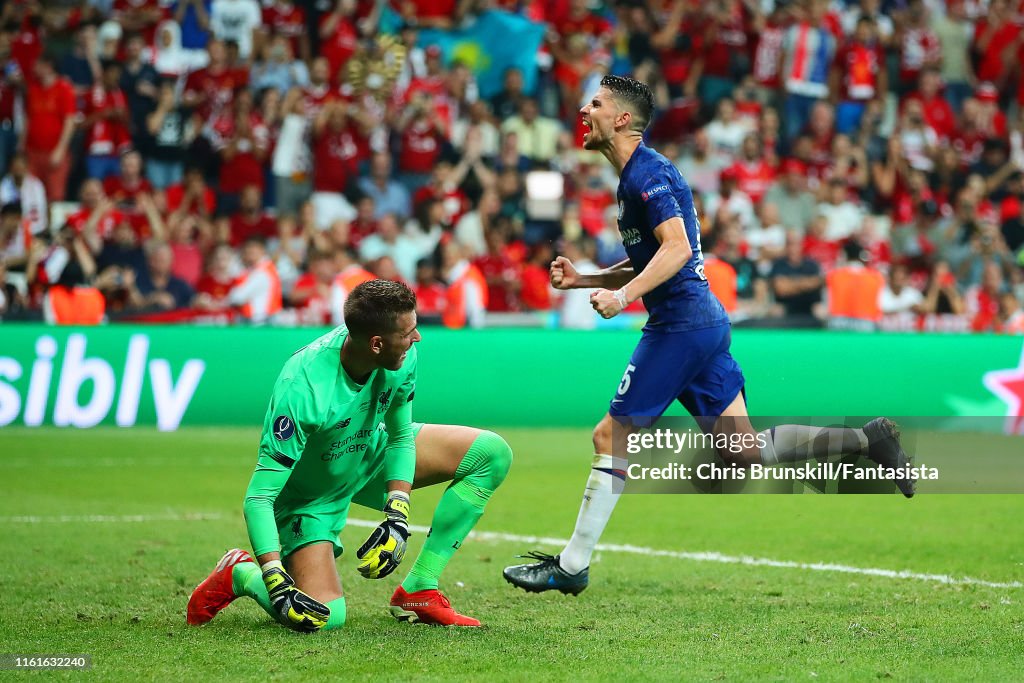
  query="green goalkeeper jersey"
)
[{"x": 323, "y": 435}]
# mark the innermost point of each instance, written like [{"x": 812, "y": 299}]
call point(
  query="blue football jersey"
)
[{"x": 651, "y": 191}]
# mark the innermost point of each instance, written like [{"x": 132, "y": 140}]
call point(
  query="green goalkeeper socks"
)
[
  {"x": 247, "y": 579},
  {"x": 481, "y": 471},
  {"x": 338, "y": 611}
]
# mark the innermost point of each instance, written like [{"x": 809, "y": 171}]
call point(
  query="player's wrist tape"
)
[
  {"x": 397, "y": 506},
  {"x": 272, "y": 564},
  {"x": 620, "y": 296}
]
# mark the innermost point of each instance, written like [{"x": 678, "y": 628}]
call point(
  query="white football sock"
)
[
  {"x": 796, "y": 443},
  {"x": 599, "y": 499}
]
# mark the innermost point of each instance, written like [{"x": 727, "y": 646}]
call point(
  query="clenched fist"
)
[{"x": 563, "y": 274}]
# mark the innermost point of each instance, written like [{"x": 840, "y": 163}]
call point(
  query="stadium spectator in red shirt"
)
[
  {"x": 753, "y": 174},
  {"x": 129, "y": 190},
  {"x": 50, "y": 115},
  {"x": 983, "y": 300},
  {"x": 768, "y": 53},
  {"x": 500, "y": 273},
  {"x": 429, "y": 92},
  {"x": 191, "y": 196},
  {"x": 338, "y": 37},
  {"x": 211, "y": 90},
  {"x": 97, "y": 216},
  {"x": 422, "y": 135},
  {"x": 319, "y": 92},
  {"x": 593, "y": 198},
  {"x": 285, "y": 18},
  {"x": 444, "y": 186},
  {"x": 185, "y": 239},
  {"x": 680, "y": 52},
  {"x": 990, "y": 118},
  {"x": 919, "y": 46},
  {"x": 217, "y": 281},
  {"x": 429, "y": 290},
  {"x": 726, "y": 51},
  {"x": 536, "y": 287},
  {"x": 575, "y": 16},
  {"x": 12, "y": 83},
  {"x": 337, "y": 148},
  {"x": 139, "y": 16},
  {"x": 859, "y": 74},
  {"x": 937, "y": 112},
  {"x": 26, "y": 20},
  {"x": 995, "y": 39},
  {"x": 243, "y": 142},
  {"x": 311, "y": 293},
  {"x": 365, "y": 222},
  {"x": 250, "y": 220},
  {"x": 106, "y": 124}
]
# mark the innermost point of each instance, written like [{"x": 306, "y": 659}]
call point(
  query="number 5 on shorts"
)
[{"x": 626, "y": 379}]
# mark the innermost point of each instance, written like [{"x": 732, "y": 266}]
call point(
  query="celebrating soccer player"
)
[
  {"x": 683, "y": 353},
  {"x": 339, "y": 430}
]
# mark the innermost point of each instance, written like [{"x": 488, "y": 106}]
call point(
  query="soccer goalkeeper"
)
[{"x": 339, "y": 430}]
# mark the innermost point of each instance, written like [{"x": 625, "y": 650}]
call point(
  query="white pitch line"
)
[
  {"x": 500, "y": 537},
  {"x": 102, "y": 519},
  {"x": 496, "y": 536}
]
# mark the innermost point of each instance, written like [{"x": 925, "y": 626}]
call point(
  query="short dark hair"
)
[
  {"x": 373, "y": 307},
  {"x": 635, "y": 95}
]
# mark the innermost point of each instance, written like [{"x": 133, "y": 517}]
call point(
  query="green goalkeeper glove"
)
[
  {"x": 295, "y": 609},
  {"x": 384, "y": 549}
]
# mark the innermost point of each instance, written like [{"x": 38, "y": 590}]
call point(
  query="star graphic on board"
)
[{"x": 1008, "y": 385}]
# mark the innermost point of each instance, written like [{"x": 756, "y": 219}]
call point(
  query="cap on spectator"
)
[
  {"x": 794, "y": 166},
  {"x": 986, "y": 92},
  {"x": 728, "y": 173},
  {"x": 433, "y": 51}
]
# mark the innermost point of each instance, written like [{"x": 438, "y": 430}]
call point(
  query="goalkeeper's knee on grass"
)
[
  {"x": 338, "y": 614},
  {"x": 247, "y": 579}
]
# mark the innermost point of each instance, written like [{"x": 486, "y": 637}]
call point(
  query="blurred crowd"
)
[{"x": 858, "y": 164}]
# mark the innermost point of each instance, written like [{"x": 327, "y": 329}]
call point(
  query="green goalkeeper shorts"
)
[{"x": 320, "y": 521}]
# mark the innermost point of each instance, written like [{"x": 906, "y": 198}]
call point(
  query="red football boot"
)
[
  {"x": 215, "y": 592},
  {"x": 428, "y": 607}
]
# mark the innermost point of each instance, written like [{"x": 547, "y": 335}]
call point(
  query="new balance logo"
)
[{"x": 344, "y": 423}]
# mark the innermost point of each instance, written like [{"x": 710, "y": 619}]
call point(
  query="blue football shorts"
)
[{"x": 693, "y": 367}]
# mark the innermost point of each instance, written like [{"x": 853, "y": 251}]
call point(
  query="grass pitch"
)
[{"x": 106, "y": 532}]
